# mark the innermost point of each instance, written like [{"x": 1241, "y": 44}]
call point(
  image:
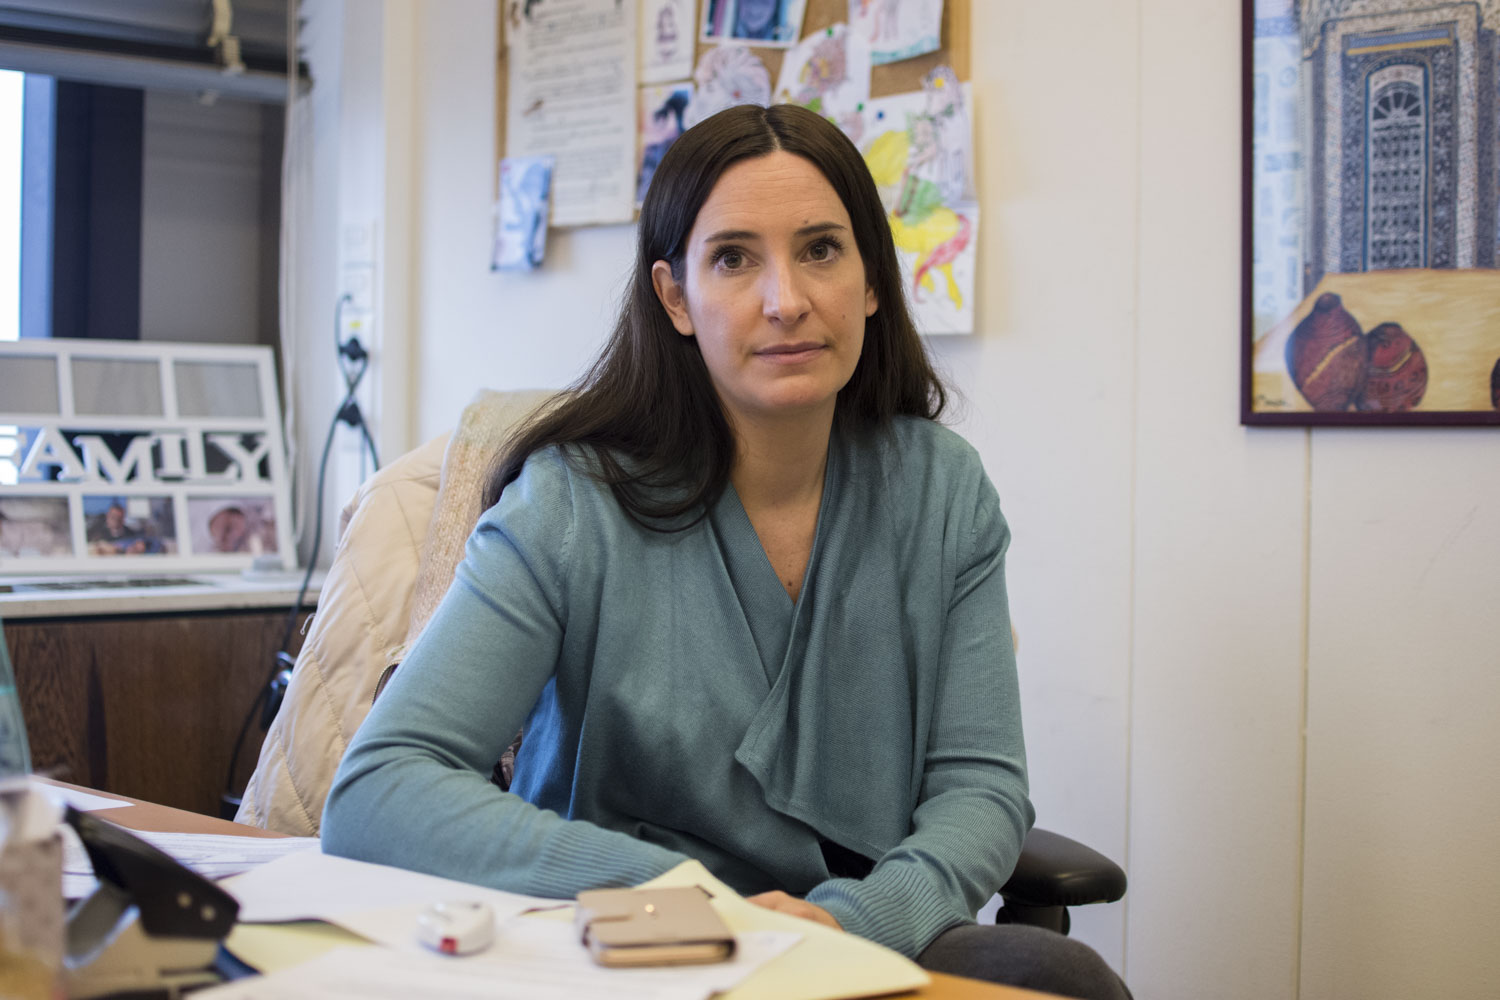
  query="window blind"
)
[{"x": 231, "y": 47}]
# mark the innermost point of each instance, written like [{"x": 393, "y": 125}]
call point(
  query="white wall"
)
[
  {"x": 1256, "y": 664},
  {"x": 347, "y": 204},
  {"x": 316, "y": 173},
  {"x": 1219, "y": 589},
  {"x": 507, "y": 331}
]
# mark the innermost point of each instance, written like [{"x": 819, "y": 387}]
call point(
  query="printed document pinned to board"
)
[{"x": 571, "y": 94}]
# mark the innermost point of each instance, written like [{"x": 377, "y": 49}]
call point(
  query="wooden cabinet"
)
[{"x": 146, "y": 705}]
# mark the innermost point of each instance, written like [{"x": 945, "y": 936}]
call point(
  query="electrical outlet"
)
[
  {"x": 356, "y": 322},
  {"x": 359, "y": 244},
  {"x": 357, "y": 281}
]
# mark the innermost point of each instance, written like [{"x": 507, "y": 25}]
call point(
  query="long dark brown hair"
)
[{"x": 646, "y": 411}]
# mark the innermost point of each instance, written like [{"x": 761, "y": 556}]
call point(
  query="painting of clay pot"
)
[
  {"x": 1403, "y": 348},
  {"x": 1327, "y": 355},
  {"x": 1397, "y": 373}
]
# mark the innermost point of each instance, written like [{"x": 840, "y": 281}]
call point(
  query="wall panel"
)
[
  {"x": 1046, "y": 397},
  {"x": 1403, "y": 796},
  {"x": 1217, "y": 656}
]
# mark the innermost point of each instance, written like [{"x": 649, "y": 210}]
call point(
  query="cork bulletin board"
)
[
  {"x": 913, "y": 129},
  {"x": 891, "y": 78}
]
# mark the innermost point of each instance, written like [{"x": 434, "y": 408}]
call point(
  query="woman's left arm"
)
[{"x": 972, "y": 810}]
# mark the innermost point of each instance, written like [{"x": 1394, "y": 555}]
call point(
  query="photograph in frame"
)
[
  {"x": 35, "y": 527},
  {"x": 1372, "y": 190},
  {"x": 221, "y": 525},
  {"x": 116, "y": 525},
  {"x": 213, "y": 430}
]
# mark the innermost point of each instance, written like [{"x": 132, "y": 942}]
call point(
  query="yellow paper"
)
[{"x": 272, "y": 947}]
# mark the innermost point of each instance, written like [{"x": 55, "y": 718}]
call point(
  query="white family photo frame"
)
[{"x": 121, "y": 456}]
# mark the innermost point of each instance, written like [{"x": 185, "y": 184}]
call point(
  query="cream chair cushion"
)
[{"x": 400, "y": 540}]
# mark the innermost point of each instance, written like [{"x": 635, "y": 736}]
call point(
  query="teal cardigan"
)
[{"x": 678, "y": 704}]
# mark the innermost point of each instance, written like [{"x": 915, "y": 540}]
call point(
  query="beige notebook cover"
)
[{"x": 659, "y": 926}]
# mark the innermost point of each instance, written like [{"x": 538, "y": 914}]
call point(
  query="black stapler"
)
[{"x": 151, "y": 925}]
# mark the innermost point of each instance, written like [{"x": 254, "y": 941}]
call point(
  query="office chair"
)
[
  {"x": 402, "y": 536},
  {"x": 1053, "y": 873}
]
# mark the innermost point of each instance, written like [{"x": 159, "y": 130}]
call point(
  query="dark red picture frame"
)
[{"x": 1362, "y": 246}]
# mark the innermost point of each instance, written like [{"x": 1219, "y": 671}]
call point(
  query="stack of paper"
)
[
  {"x": 211, "y": 855},
  {"x": 535, "y": 959},
  {"x": 535, "y": 954}
]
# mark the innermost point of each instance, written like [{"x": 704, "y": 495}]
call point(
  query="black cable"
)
[
  {"x": 364, "y": 430},
  {"x": 354, "y": 361}
]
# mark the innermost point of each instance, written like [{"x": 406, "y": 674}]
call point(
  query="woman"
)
[{"x": 746, "y": 595}]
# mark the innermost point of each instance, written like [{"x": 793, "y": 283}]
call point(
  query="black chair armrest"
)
[{"x": 1056, "y": 871}]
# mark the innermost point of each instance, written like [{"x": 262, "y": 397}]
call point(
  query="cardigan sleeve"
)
[
  {"x": 973, "y": 809},
  {"x": 413, "y": 790}
]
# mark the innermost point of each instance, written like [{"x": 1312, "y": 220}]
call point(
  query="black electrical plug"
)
[
  {"x": 354, "y": 350},
  {"x": 351, "y": 414},
  {"x": 276, "y": 690}
]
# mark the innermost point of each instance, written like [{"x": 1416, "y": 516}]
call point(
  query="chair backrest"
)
[
  {"x": 484, "y": 426},
  {"x": 402, "y": 536}
]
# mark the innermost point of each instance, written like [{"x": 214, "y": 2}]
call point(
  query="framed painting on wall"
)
[{"x": 1371, "y": 173}]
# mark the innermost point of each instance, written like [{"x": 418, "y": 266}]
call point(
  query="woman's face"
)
[{"x": 773, "y": 289}]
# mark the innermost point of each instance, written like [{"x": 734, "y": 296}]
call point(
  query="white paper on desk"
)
[
  {"x": 571, "y": 94},
  {"x": 376, "y": 901},
  {"x": 211, "y": 855},
  {"x": 535, "y": 959},
  {"x": 826, "y": 964},
  {"x": 82, "y": 801}
]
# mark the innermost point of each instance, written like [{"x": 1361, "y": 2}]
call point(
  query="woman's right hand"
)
[{"x": 783, "y": 903}]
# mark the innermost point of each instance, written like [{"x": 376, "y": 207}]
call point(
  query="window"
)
[
  {"x": 1396, "y": 174},
  {"x": 10, "y": 204},
  {"x": 148, "y": 215},
  {"x": 150, "y": 166},
  {"x": 10, "y": 234}
]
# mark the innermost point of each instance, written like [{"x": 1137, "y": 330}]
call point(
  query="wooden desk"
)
[
  {"x": 150, "y": 816},
  {"x": 145, "y": 704},
  {"x": 140, "y": 815}
]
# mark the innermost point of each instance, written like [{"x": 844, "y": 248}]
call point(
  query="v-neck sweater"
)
[{"x": 678, "y": 704}]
